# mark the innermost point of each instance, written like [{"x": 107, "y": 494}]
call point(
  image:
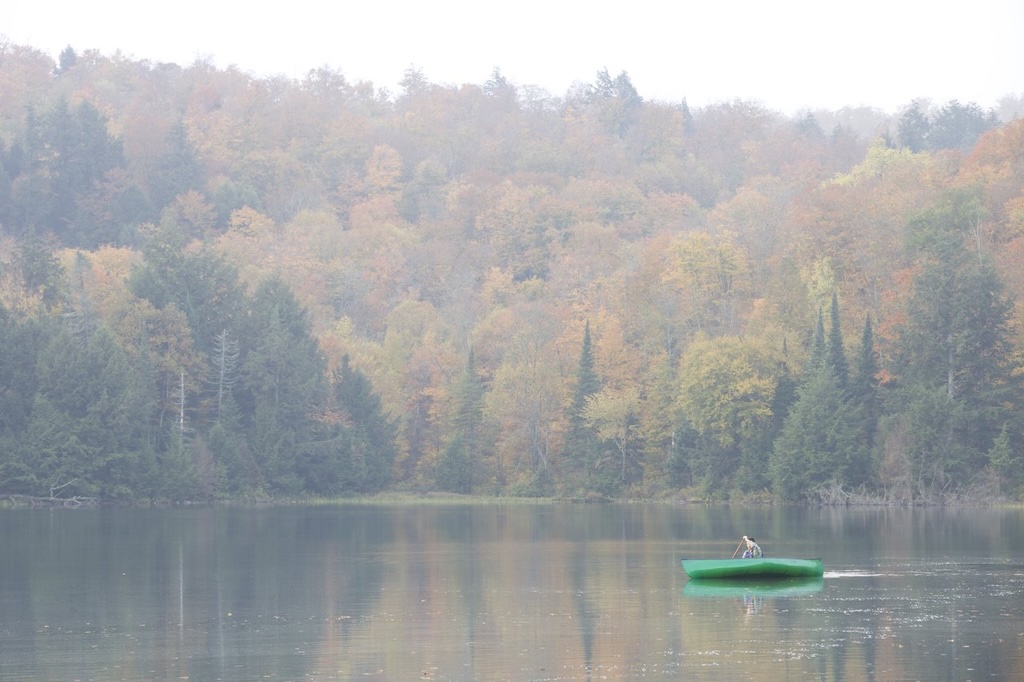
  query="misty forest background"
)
[{"x": 220, "y": 286}]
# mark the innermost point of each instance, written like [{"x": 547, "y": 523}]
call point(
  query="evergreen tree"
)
[
  {"x": 80, "y": 428},
  {"x": 819, "y": 351},
  {"x": 958, "y": 126},
  {"x": 684, "y": 461},
  {"x": 618, "y": 101},
  {"x": 40, "y": 270},
  {"x": 64, "y": 171},
  {"x": 469, "y": 406},
  {"x": 283, "y": 377},
  {"x": 455, "y": 468},
  {"x": 864, "y": 389},
  {"x": 226, "y": 440},
  {"x": 17, "y": 373},
  {"x": 201, "y": 284},
  {"x": 66, "y": 60},
  {"x": 68, "y": 153},
  {"x": 820, "y": 444},
  {"x": 755, "y": 453},
  {"x": 836, "y": 352},
  {"x": 373, "y": 433},
  {"x": 913, "y": 128},
  {"x": 178, "y": 169},
  {"x": 688, "y": 125},
  {"x": 20, "y": 343},
  {"x": 582, "y": 446},
  {"x": 955, "y": 351},
  {"x": 1007, "y": 461},
  {"x": 454, "y": 471},
  {"x": 6, "y": 191},
  {"x": 325, "y": 464},
  {"x": 179, "y": 480}
]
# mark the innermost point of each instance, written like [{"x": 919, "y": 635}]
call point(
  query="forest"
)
[{"x": 215, "y": 286}]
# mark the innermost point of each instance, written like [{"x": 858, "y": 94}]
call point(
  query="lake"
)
[{"x": 505, "y": 592}]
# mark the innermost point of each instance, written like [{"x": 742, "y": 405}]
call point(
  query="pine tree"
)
[
  {"x": 955, "y": 351},
  {"x": 80, "y": 428},
  {"x": 283, "y": 377},
  {"x": 1007, "y": 461},
  {"x": 820, "y": 444},
  {"x": 864, "y": 388},
  {"x": 582, "y": 446},
  {"x": 226, "y": 440},
  {"x": 66, "y": 60},
  {"x": 819, "y": 351},
  {"x": 836, "y": 353},
  {"x": 455, "y": 469},
  {"x": 372, "y": 432},
  {"x": 913, "y": 128},
  {"x": 178, "y": 170}
]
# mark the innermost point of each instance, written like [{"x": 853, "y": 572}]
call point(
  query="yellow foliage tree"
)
[{"x": 726, "y": 387}]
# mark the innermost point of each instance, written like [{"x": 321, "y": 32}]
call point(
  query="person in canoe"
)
[{"x": 753, "y": 550}]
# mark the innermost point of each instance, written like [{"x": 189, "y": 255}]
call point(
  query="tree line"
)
[{"x": 220, "y": 286}]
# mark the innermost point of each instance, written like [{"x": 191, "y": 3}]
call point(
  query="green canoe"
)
[{"x": 753, "y": 569}]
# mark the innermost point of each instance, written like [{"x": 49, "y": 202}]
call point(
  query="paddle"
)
[{"x": 737, "y": 549}]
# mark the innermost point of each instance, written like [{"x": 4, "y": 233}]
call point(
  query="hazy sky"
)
[{"x": 786, "y": 54}]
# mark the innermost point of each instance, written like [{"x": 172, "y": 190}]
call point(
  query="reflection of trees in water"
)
[{"x": 586, "y": 613}]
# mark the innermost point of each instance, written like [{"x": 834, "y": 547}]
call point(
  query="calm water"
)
[{"x": 547, "y": 592}]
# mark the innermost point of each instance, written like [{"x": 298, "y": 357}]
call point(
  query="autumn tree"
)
[
  {"x": 524, "y": 404},
  {"x": 727, "y": 387},
  {"x": 615, "y": 417},
  {"x": 661, "y": 426},
  {"x": 518, "y": 232},
  {"x": 699, "y": 243},
  {"x": 461, "y": 459},
  {"x": 712, "y": 274}
]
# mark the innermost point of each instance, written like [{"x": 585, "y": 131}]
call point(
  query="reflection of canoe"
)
[
  {"x": 791, "y": 587},
  {"x": 753, "y": 569}
]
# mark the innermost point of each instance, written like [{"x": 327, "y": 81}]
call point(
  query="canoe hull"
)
[{"x": 753, "y": 569}]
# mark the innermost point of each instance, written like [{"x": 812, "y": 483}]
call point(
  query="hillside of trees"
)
[{"x": 218, "y": 286}]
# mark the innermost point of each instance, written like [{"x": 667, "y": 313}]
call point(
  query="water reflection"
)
[
  {"x": 504, "y": 593},
  {"x": 773, "y": 588}
]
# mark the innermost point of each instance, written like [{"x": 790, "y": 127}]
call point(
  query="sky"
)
[{"x": 788, "y": 55}]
